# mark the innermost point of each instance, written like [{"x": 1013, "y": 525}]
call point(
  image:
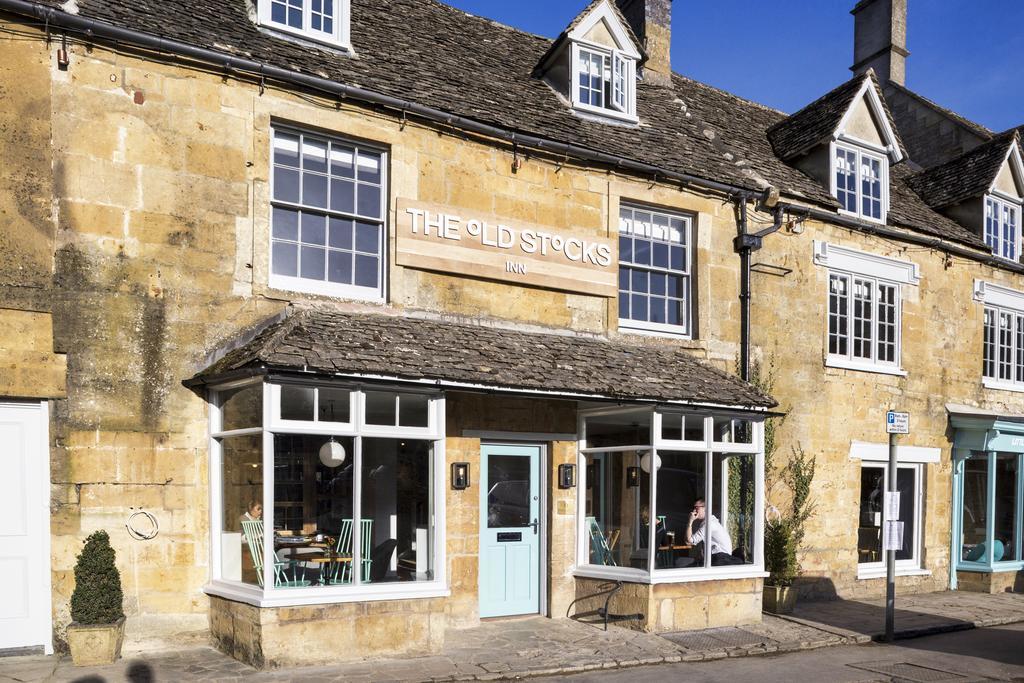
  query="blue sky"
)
[{"x": 967, "y": 55}]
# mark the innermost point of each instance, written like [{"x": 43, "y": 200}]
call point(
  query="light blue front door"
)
[{"x": 509, "y": 530}]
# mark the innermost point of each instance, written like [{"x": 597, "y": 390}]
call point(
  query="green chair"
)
[
  {"x": 253, "y": 530},
  {"x": 601, "y": 551},
  {"x": 342, "y": 571}
]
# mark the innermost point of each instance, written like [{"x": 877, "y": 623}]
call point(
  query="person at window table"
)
[
  {"x": 253, "y": 513},
  {"x": 709, "y": 531}
]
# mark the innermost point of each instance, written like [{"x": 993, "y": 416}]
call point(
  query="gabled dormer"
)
[
  {"x": 846, "y": 140},
  {"x": 323, "y": 21},
  {"x": 983, "y": 190},
  {"x": 593, "y": 64}
]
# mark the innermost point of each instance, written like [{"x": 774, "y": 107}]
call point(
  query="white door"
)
[{"x": 24, "y": 527}]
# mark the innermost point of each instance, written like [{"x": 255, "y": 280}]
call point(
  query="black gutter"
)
[
  {"x": 94, "y": 29},
  {"x": 937, "y": 243}
]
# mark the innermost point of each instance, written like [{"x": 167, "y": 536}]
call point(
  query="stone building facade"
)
[{"x": 163, "y": 321}]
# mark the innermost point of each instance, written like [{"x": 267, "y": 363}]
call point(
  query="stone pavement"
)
[{"x": 521, "y": 648}]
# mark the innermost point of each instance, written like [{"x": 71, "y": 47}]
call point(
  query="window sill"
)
[
  {"x": 862, "y": 217},
  {"x": 284, "y": 283},
  {"x": 990, "y": 383},
  {"x": 845, "y": 364},
  {"x": 653, "y": 330},
  {"x": 591, "y": 112},
  {"x": 298, "y": 597},
  {"x": 875, "y": 572},
  {"x": 670, "y": 575},
  {"x": 317, "y": 39},
  {"x": 990, "y": 569}
]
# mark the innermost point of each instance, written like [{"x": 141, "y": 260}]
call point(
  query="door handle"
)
[{"x": 536, "y": 525}]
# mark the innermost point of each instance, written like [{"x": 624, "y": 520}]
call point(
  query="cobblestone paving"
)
[{"x": 536, "y": 647}]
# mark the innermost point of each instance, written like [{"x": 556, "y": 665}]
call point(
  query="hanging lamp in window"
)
[{"x": 332, "y": 453}]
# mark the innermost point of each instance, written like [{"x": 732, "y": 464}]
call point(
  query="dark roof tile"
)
[{"x": 969, "y": 175}]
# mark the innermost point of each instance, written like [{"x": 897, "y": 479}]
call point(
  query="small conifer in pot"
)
[{"x": 97, "y": 627}]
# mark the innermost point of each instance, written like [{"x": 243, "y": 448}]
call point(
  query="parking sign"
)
[{"x": 897, "y": 423}]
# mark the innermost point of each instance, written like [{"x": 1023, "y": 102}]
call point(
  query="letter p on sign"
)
[{"x": 897, "y": 423}]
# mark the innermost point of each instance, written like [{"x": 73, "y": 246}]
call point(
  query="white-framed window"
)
[
  {"x": 655, "y": 265},
  {"x": 863, "y": 319},
  {"x": 1002, "y": 228},
  {"x": 325, "y": 21},
  {"x": 874, "y": 483},
  {"x": 670, "y": 497},
  {"x": 860, "y": 182},
  {"x": 1002, "y": 364},
  {"x": 328, "y": 207},
  {"x": 864, "y": 307},
  {"x": 347, "y": 477},
  {"x": 604, "y": 81}
]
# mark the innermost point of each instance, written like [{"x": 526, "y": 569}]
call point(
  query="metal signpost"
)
[{"x": 892, "y": 535}]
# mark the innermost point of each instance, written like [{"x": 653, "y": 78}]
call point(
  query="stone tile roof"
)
[
  {"x": 411, "y": 348},
  {"x": 965, "y": 177},
  {"x": 972, "y": 126},
  {"x": 815, "y": 124},
  {"x": 441, "y": 57}
]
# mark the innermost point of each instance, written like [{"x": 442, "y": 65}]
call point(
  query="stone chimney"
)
[
  {"x": 880, "y": 39},
  {"x": 651, "y": 21}
]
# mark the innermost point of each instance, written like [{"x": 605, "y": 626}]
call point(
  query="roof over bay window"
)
[{"x": 407, "y": 349}]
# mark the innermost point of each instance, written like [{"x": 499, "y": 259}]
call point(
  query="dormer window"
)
[
  {"x": 861, "y": 182},
  {"x": 1002, "y": 228},
  {"x": 325, "y": 21},
  {"x": 604, "y": 80}
]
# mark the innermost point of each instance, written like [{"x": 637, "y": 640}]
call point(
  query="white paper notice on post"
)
[
  {"x": 893, "y": 537},
  {"x": 892, "y": 505}
]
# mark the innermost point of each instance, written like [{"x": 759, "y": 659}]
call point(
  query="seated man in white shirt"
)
[{"x": 716, "y": 541}]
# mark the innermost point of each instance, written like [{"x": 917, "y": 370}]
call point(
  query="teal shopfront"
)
[{"x": 988, "y": 496}]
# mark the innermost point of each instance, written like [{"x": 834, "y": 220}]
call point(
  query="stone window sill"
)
[
  {"x": 252, "y": 595},
  {"x": 879, "y": 573},
  {"x": 670, "y": 576}
]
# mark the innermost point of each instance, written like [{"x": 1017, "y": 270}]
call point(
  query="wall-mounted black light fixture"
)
[
  {"x": 632, "y": 477},
  {"x": 566, "y": 476},
  {"x": 460, "y": 475}
]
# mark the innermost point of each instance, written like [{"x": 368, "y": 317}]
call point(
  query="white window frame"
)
[
  {"x": 270, "y": 595},
  {"x": 340, "y": 37},
  {"x": 1001, "y": 300},
  {"x": 684, "y": 331},
  {"x": 861, "y": 151},
  {"x": 913, "y": 565},
  {"x": 324, "y": 288},
  {"x": 616, "y": 60},
  {"x": 856, "y": 264},
  {"x": 710, "y": 448},
  {"x": 1001, "y": 205}
]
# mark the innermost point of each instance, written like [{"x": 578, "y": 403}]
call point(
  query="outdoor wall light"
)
[
  {"x": 460, "y": 475},
  {"x": 632, "y": 477},
  {"x": 566, "y": 476}
]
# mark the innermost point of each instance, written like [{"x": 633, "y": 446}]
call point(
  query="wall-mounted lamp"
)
[
  {"x": 460, "y": 476},
  {"x": 566, "y": 476},
  {"x": 632, "y": 477}
]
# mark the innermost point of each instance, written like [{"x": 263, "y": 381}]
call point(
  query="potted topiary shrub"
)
[
  {"x": 784, "y": 532},
  {"x": 97, "y": 626}
]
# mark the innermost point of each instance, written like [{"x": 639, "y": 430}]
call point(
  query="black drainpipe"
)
[{"x": 745, "y": 244}]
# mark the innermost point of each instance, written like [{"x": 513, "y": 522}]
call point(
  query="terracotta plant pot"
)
[
  {"x": 779, "y": 599},
  {"x": 95, "y": 644}
]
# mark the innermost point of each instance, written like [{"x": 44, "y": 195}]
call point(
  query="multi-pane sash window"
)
[
  {"x": 863, "y": 319},
  {"x": 1003, "y": 346},
  {"x": 323, "y": 20},
  {"x": 860, "y": 179},
  {"x": 327, "y": 216},
  {"x": 654, "y": 270},
  {"x": 603, "y": 80},
  {"x": 1002, "y": 228}
]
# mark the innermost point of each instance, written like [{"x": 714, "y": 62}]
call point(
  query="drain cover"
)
[{"x": 908, "y": 672}]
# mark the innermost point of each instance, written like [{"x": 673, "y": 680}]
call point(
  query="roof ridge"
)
[
  {"x": 984, "y": 130},
  {"x": 731, "y": 95}
]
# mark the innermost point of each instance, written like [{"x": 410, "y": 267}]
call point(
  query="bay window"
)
[
  {"x": 326, "y": 492},
  {"x": 989, "y": 489},
  {"x": 669, "y": 496}
]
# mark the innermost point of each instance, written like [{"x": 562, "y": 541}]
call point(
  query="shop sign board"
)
[
  {"x": 897, "y": 423},
  {"x": 464, "y": 242}
]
